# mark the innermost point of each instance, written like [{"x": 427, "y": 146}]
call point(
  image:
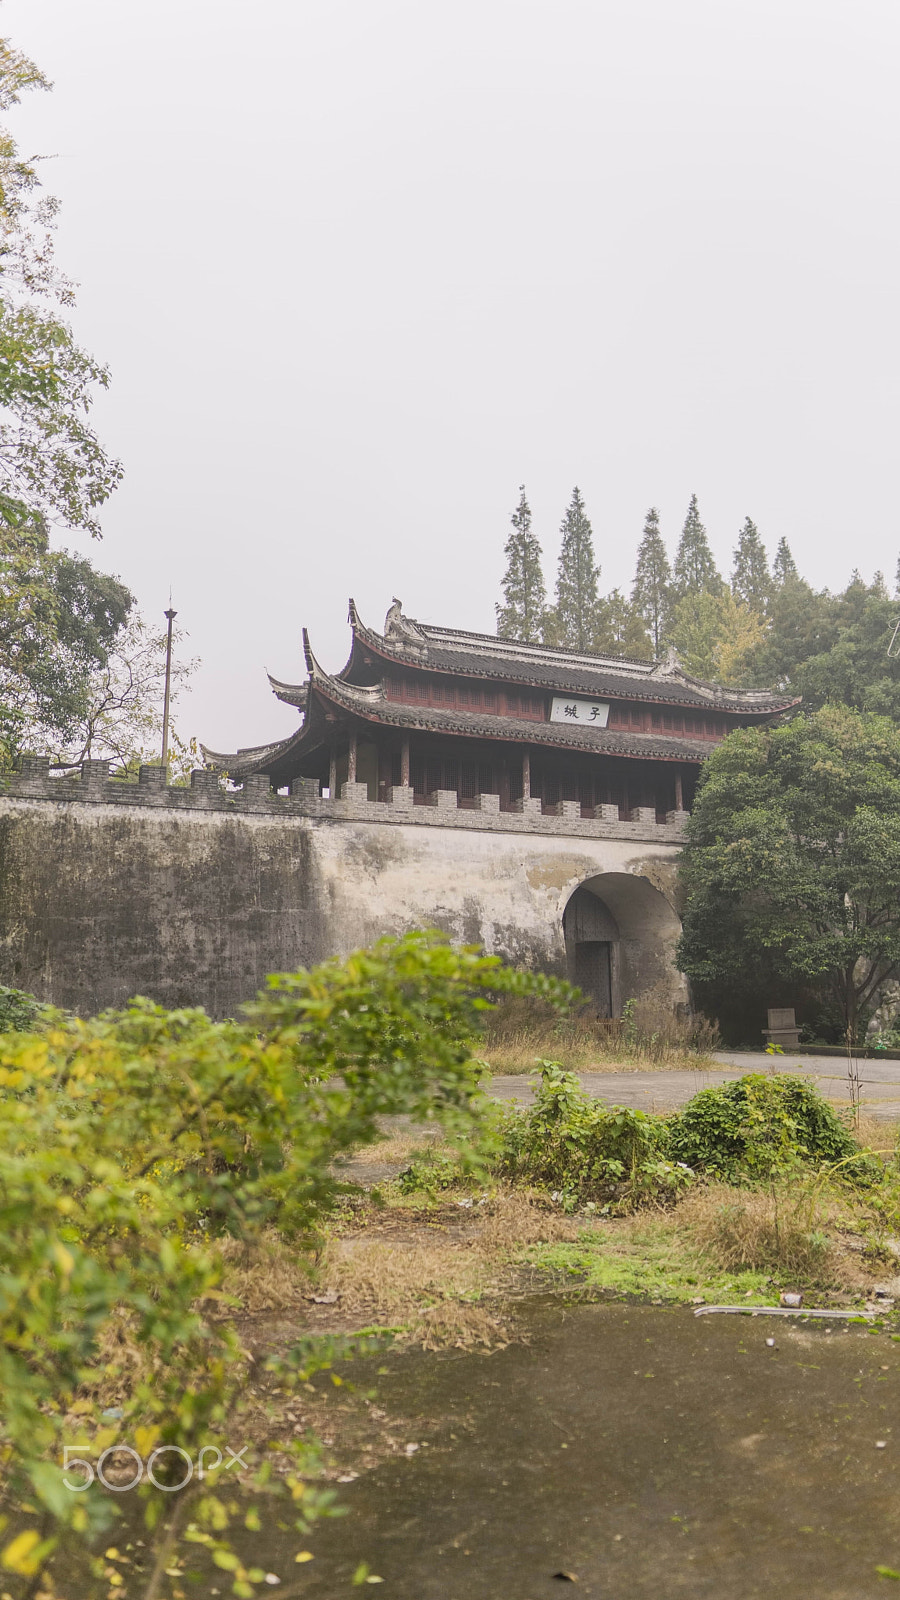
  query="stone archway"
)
[{"x": 620, "y": 934}]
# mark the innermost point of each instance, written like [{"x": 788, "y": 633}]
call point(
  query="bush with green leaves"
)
[
  {"x": 130, "y": 1146},
  {"x": 586, "y": 1151},
  {"x": 759, "y": 1124},
  {"x": 19, "y": 1012},
  {"x": 754, "y": 1128}
]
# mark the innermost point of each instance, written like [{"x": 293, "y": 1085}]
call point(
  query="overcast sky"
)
[{"x": 361, "y": 267}]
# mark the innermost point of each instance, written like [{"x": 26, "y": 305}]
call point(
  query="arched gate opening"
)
[{"x": 621, "y": 933}]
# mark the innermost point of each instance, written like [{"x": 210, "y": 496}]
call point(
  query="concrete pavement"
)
[{"x": 664, "y": 1091}]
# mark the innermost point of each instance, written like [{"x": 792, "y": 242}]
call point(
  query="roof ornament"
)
[
  {"x": 670, "y": 667},
  {"x": 401, "y": 628}
]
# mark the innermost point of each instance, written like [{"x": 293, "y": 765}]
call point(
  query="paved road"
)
[{"x": 663, "y": 1091}]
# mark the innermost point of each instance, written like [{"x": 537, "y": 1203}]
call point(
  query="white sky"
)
[{"x": 360, "y": 267}]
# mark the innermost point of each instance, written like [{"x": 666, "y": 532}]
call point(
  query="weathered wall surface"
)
[{"x": 99, "y": 902}]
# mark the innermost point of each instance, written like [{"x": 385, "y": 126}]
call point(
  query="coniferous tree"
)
[
  {"x": 574, "y": 614},
  {"x": 694, "y": 570},
  {"x": 522, "y": 614},
  {"x": 619, "y": 629},
  {"x": 751, "y": 580},
  {"x": 651, "y": 596},
  {"x": 784, "y": 567},
  {"x": 897, "y": 580}
]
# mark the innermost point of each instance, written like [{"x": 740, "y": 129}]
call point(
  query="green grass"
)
[{"x": 652, "y": 1261}]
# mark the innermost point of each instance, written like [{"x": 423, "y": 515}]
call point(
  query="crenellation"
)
[
  {"x": 443, "y": 799},
  {"x": 440, "y": 809},
  {"x": 94, "y": 774}
]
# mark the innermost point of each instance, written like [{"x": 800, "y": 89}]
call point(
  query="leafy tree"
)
[
  {"x": 791, "y": 868},
  {"x": 833, "y": 647},
  {"x": 694, "y": 570},
  {"x": 574, "y": 619},
  {"x": 784, "y": 567},
  {"x": 619, "y": 629},
  {"x": 801, "y": 627},
  {"x": 651, "y": 591},
  {"x": 52, "y": 466},
  {"x": 59, "y": 618},
  {"x": 123, "y": 704},
  {"x": 58, "y": 615},
  {"x": 525, "y": 598},
  {"x": 751, "y": 580},
  {"x": 717, "y": 637},
  {"x": 133, "y": 1148}
]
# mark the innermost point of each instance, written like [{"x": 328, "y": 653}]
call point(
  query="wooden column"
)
[
  {"x": 332, "y": 771},
  {"x": 351, "y": 757},
  {"x": 526, "y": 775},
  {"x": 404, "y": 763},
  {"x": 679, "y": 796}
]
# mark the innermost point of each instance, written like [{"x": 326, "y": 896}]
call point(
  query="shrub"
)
[
  {"x": 130, "y": 1145},
  {"x": 757, "y": 1125},
  {"x": 584, "y": 1150},
  {"x": 19, "y": 1012}
]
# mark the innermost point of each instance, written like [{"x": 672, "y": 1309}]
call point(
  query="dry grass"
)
[
  {"x": 880, "y": 1134},
  {"x": 516, "y": 1217},
  {"x": 521, "y": 1032},
  {"x": 424, "y": 1269},
  {"x": 796, "y": 1233},
  {"x": 463, "y": 1326},
  {"x": 384, "y": 1279},
  {"x": 273, "y": 1277}
]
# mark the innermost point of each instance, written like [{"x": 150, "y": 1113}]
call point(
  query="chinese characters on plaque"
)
[{"x": 590, "y": 713}]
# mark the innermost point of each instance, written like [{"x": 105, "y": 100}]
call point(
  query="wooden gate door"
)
[{"x": 593, "y": 973}]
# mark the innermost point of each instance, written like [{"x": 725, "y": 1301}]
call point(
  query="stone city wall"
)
[{"x": 192, "y": 896}]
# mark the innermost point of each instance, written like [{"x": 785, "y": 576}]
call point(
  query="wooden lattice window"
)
[{"x": 468, "y": 780}]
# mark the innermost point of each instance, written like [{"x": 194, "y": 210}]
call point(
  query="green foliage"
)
[
  {"x": 717, "y": 637},
  {"x": 791, "y": 868},
  {"x": 19, "y": 1012},
  {"x": 619, "y": 629},
  {"x": 751, "y": 580},
  {"x": 833, "y": 648},
  {"x": 694, "y": 570},
  {"x": 584, "y": 1150},
  {"x": 574, "y": 614},
  {"x": 651, "y": 596},
  {"x": 54, "y": 468},
  {"x": 756, "y": 1126},
  {"x": 58, "y": 615},
  {"x": 132, "y": 1144},
  {"x": 525, "y": 599},
  {"x": 784, "y": 567},
  {"x": 430, "y": 1174},
  {"x": 59, "y": 618}
]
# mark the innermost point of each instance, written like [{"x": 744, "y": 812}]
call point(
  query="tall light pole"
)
[{"x": 170, "y": 615}]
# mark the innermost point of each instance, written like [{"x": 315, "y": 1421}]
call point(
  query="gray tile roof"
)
[{"x": 513, "y": 661}]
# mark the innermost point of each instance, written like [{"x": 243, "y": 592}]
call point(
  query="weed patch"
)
[{"x": 585, "y": 1151}]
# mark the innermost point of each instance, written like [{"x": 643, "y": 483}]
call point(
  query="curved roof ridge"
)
[
  {"x": 234, "y": 760},
  {"x": 504, "y": 645},
  {"x": 293, "y": 694}
]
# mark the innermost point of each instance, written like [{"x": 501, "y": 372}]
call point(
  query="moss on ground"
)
[{"x": 651, "y": 1259}]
